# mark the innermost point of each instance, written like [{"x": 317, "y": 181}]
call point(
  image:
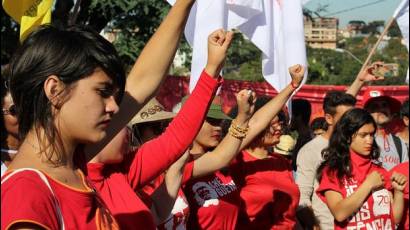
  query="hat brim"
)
[{"x": 163, "y": 115}]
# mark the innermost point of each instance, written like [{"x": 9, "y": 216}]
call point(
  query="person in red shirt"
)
[
  {"x": 116, "y": 176},
  {"x": 269, "y": 195},
  {"x": 356, "y": 189},
  {"x": 66, "y": 85},
  {"x": 212, "y": 193},
  {"x": 403, "y": 169}
]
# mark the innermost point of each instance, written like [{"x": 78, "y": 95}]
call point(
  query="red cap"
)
[{"x": 372, "y": 95}]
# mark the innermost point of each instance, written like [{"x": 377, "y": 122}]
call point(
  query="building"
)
[{"x": 321, "y": 32}]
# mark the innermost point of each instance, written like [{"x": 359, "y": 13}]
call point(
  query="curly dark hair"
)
[{"x": 337, "y": 155}]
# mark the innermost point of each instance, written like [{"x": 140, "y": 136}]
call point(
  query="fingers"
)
[
  {"x": 399, "y": 178},
  {"x": 221, "y": 38}
]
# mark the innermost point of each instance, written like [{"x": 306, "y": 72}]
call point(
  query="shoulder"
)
[{"x": 26, "y": 198}]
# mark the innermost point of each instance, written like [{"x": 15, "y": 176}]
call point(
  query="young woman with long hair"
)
[{"x": 352, "y": 183}]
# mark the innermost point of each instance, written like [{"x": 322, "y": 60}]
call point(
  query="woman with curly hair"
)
[{"x": 355, "y": 188}]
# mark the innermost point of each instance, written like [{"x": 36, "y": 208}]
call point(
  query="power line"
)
[{"x": 354, "y": 8}]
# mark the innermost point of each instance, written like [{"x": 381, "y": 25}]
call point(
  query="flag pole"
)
[{"x": 373, "y": 51}]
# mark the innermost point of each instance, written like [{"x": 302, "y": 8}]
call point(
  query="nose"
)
[{"x": 111, "y": 106}]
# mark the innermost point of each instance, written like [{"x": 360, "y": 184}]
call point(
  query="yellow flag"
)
[{"x": 28, "y": 13}]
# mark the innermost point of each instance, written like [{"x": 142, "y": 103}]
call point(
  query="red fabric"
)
[
  {"x": 26, "y": 198},
  {"x": 117, "y": 183},
  {"x": 268, "y": 192},
  {"x": 214, "y": 202},
  {"x": 175, "y": 88},
  {"x": 376, "y": 211},
  {"x": 404, "y": 169}
]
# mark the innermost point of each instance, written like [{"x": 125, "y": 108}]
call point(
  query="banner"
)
[
  {"x": 274, "y": 26},
  {"x": 28, "y": 13}
]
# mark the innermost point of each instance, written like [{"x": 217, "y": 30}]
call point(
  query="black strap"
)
[{"x": 399, "y": 147}]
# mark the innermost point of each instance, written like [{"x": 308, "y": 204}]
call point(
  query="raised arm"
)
[
  {"x": 263, "y": 117},
  {"x": 223, "y": 154},
  {"x": 164, "y": 197},
  {"x": 364, "y": 76},
  {"x": 148, "y": 71},
  {"x": 155, "y": 156}
]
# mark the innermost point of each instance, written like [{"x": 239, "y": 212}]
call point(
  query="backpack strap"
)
[
  {"x": 399, "y": 147},
  {"x": 46, "y": 182}
]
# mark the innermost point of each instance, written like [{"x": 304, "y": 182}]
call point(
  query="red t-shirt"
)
[
  {"x": 26, "y": 198},
  {"x": 404, "y": 169},
  {"x": 375, "y": 213},
  {"x": 213, "y": 201},
  {"x": 268, "y": 191},
  {"x": 117, "y": 183}
]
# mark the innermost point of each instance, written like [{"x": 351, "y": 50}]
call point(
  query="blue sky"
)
[{"x": 380, "y": 11}]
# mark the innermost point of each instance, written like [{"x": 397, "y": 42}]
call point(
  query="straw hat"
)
[
  {"x": 286, "y": 145},
  {"x": 153, "y": 111}
]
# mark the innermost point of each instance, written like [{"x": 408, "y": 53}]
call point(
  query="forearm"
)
[
  {"x": 164, "y": 197},
  {"x": 153, "y": 63},
  {"x": 398, "y": 206},
  {"x": 262, "y": 118},
  {"x": 355, "y": 88},
  {"x": 221, "y": 156},
  {"x": 346, "y": 207}
]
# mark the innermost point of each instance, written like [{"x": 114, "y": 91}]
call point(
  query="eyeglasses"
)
[{"x": 12, "y": 110}]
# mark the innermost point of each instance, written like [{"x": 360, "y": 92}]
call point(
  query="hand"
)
[
  {"x": 218, "y": 44},
  {"x": 367, "y": 74},
  {"x": 398, "y": 181},
  {"x": 246, "y": 103},
  {"x": 297, "y": 72},
  {"x": 375, "y": 180}
]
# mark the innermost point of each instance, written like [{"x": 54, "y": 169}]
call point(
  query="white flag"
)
[
  {"x": 402, "y": 17},
  {"x": 274, "y": 26}
]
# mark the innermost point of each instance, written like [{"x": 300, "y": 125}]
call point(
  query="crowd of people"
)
[{"x": 85, "y": 147}]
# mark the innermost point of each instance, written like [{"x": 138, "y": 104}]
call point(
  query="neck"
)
[
  {"x": 197, "y": 148},
  {"x": 39, "y": 150},
  {"x": 380, "y": 131},
  {"x": 258, "y": 152},
  {"x": 404, "y": 134},
  {"x": 328, "y": 133}
]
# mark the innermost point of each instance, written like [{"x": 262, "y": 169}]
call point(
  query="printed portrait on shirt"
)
[{"x": 205, "y": 195}]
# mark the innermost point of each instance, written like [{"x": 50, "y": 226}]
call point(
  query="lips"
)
[{"x": 105, "y": 123}]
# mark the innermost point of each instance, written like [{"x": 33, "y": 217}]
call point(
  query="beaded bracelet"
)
[{"x": 237, "y": 131}]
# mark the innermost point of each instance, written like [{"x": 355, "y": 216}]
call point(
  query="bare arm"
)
[
  {"x": 223, "y": 154},
  {"x": 164, "y": 197},
  {"x": 344, "y": 208},
  {"x": 148, "y": 71},
  {"x": 361, "y": 79},
  {"x": 262, "y": 118}
]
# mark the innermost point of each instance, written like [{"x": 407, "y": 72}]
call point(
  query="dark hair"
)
[
  {"x": 337, "y": 155},
  {"x": 4, "y": 91},
  {"x": 404, "y": 110},
  {"x": 301, "y": 112},
  {"x": 334, "y": 99},
  {"x": 71, "y": 54},
  {"x": 319, "y": 123}
]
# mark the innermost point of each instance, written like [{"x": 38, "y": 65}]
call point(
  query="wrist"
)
[
  {"x": 242, "y": 119},
  {"x": 294, "y": 85},
  {"x": 398, "y": 192},
  {"x": 212, "y": 70}
]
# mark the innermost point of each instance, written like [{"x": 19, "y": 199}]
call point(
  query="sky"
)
[{"x": 383, "y": 10}]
